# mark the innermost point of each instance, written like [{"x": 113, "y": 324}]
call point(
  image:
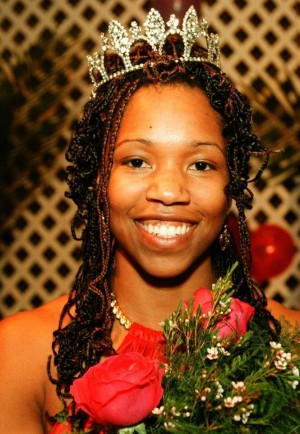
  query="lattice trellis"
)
[{"x": 260, "y": 46}]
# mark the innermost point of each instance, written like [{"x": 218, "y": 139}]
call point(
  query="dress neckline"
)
[{"x": 150, "y": 343}]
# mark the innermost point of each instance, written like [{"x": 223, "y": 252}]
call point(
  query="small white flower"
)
[
  {"x": 220, "y": 390},
  {"x": 239, "y": 385},
  {"x": 168, "y": 369},
  {"x": 174, "y": 412},
  {"x": 224, "y": 352},
  {"x": 288, "y": 356},
  {"x": 158, "y": 410},
  {"x": 245, "y": 418},
  {"x": 237, "y": 417},
  {"x": 172, "y": 324},
  {"x": 169, "y": 425},
  {"x": 283, "y": 355},
  {"x": 295, "y": 371},
  {"x": 229, "y": 402},
  {"x": 280, "y": 364},
  {"x": 212, "y": 353},
  {"x": 294, "y": 384},
  {"x": 275, "y": 345},
  {"x": 279, "y": 354},
  {"x": 219, "y": 385},
  {"x": 203, "y": 398}
]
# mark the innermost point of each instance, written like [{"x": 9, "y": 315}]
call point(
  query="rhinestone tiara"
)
[{"x": 156, "y": 31}]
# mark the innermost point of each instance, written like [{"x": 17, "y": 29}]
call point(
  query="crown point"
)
[{"x": 121, "y": 42}]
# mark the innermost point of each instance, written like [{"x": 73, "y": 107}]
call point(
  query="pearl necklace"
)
[{"x": 116, "y": 310}]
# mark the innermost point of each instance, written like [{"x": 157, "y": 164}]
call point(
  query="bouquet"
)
[{"x": 216, "y": 376}]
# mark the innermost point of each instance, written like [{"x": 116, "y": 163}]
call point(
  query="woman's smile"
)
[
  {"x": 166, "y": 229},
  {"x": 164, "y": 234}
]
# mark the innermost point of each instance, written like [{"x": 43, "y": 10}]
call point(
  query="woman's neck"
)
[{"x": 148, "y": 300}]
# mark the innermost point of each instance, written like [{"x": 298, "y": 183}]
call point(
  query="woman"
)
[{"x": 160, "y": 154}]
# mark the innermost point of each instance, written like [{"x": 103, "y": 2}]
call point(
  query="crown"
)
[{"x": 155, "y": 34}]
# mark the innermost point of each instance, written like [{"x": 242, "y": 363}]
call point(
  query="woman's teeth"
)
[{"x": 167, "y": 231}]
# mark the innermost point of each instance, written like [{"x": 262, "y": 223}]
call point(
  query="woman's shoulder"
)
[
  {"x": 281, "y": 312},
  {"x": 31, "y": 323},
  {"x": 25, "y": 341},
  {"x": 26, "y": 337}
]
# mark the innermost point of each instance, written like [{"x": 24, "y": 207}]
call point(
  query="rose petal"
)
[
  {"x": 237, "y": 320},
  {"x": 202, "y": 298}
]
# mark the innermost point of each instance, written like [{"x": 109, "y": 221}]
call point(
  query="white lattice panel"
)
[{"x": 260, "y": 40}]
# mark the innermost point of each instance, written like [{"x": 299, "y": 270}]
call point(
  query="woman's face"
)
[{"x": 166, "y": 189}]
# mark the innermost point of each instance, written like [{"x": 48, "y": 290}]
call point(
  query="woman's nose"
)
[{"x": 168, "y": 187}]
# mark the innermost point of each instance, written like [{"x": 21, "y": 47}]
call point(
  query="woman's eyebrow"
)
[
  {"x": 197, "y": 144},
  {"x": 139, "y": 140}
]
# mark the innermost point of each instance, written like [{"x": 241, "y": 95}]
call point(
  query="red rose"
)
[
  {"x": 62, "y": 428},
  {"x": 203, "y": 298},
  {"x": 121, "y": 391},
  {"x": 65, "y": 427},
  {"x": 236, "y": 322}
]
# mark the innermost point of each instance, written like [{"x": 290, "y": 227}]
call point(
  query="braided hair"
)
[{"x": 87, "y": 336}]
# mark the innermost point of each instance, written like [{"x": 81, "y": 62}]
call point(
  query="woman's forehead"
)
[{"x": 170, "y": 114}]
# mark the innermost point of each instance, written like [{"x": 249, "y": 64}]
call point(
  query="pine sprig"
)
[{"x": 214, "y": 384}]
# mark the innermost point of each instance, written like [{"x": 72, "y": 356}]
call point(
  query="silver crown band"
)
[{"x": 121, "y": 42}]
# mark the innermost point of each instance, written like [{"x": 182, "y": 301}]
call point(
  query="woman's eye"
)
[
  {"x": 136, "y": 163},
  {"x": 201, "y": 166}
]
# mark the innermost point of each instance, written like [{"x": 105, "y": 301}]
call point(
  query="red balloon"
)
[{"x": 273, "y": 249}]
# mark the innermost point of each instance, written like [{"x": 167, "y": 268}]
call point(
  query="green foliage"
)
[
  {"x": 246, "y": 386},
  {"x": 230, "y": 385}
]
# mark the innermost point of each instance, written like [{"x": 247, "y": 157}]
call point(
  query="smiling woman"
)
[
  {"x": 171, "y": 167},
  {"x": 161, "y": 152}
]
